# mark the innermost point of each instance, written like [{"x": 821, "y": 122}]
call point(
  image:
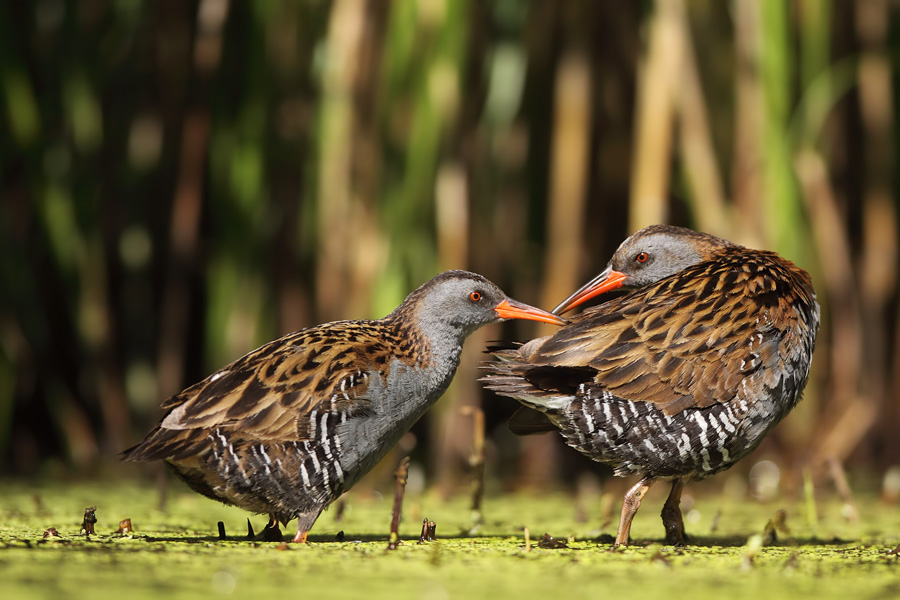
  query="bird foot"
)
[
  {"x": 674, "y": 525},
  {"x": 271, "y": 533},
  {"x": 675, "y": 537},
  {"x": 671, "y": 515},
  {"x": 630, "y": 505}
]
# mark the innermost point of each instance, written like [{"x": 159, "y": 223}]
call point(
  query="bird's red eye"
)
[
  {"x": 475, "y": 296},
  {"x": 642, "y": 257}
]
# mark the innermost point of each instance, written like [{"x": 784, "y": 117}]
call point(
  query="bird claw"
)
[{"x": 271, "y": 534}]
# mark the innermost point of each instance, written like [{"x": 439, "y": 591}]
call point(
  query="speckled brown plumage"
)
[
  {"x": 289, "y": 427},
  {"x": 680, "y": 378}
]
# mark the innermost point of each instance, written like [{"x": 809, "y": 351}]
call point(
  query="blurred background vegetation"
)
[{"x": 183, "y": 181}]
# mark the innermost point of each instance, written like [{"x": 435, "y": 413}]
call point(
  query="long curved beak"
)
[
  {"x": 604, "y": 282},
  {"x": 512, "y": 309}
]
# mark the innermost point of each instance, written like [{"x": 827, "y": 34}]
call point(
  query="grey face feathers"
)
[
  {"x": 659, "y": 251},
  {"x": 648, "y": 256},
  {"x": 461, "y": 300}
]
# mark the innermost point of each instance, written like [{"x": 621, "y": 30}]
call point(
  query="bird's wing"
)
[
  {"x": 278, "y": 392},
  {"x": 687, "y": 341}
]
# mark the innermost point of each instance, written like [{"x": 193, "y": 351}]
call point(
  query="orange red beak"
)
[
  {"x": 511, "y": 309},
  {"x": 606, "y": 281}
]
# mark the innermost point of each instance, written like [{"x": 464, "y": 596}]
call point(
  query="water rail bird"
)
[
  {"x": 288, "y": 428},
  {"x": 681, "y": 377}
]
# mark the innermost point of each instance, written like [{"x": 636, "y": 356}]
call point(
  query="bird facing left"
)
[{"x": 288, "y": 428}]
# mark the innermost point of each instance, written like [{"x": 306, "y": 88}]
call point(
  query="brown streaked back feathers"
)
[
  {"x": 268, "y": 395},
  {"x": 687, "y": 340}
]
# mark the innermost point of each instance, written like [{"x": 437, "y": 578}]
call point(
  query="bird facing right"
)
[
  {"x": 289, "y": 427},
  {"x": 680, "y": 378}
]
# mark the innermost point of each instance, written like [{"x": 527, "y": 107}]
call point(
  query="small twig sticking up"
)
[
  {"x": 476, "y": 460},
  {"x": 399, "y": 487},
  {"x": 90, "y": 518},
  {"x": 428, "y": 531},
  {"x": 424, "y": 533},
  {"x": 221, "y": 525}
]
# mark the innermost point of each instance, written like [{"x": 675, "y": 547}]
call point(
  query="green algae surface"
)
[{"x": 177, "y": 552}]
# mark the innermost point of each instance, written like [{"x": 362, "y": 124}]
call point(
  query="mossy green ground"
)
[{"x": 177, "y": 553}]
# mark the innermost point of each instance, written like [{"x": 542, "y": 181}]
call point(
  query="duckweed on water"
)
[{"x": 178, "y": 554}]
